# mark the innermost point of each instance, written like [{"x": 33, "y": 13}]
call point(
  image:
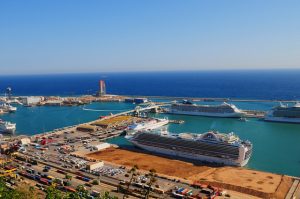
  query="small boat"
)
[
  {"x": 8, "y": 108},
  {"x": 243, "y": 119},
  {"x": 7, "y": 127}
]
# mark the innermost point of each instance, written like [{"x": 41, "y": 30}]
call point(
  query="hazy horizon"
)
[
  {"x": 263, "y": 70},
  {"x": 58, "y": 37}
]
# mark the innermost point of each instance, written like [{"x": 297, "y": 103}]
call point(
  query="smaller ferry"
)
[
  {"x": 7, "y": 127},
  {"x": 284, "y": 113},
  {"x": 151, "y": 124}
]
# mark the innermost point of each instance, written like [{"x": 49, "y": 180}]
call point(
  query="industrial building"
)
[
  {"x": 101, "y": 146},
  {"x": 53, "y": 102},
  {"x": 87, "y": 128},
  {"x": 25, "y": 141},
  {"x": 31, "y": 100},
  {"x": 94, "y": 165}
]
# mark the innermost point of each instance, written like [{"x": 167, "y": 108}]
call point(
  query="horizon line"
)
[{"x": 151, "y": 71}]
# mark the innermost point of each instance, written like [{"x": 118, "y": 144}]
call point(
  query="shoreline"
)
[{"x": 195, "y": 98}]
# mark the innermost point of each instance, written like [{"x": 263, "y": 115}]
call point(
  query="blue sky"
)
[{"x": 72, "y": 36}]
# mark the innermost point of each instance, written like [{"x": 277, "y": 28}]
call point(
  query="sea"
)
[{"x": 276, "y": 145}]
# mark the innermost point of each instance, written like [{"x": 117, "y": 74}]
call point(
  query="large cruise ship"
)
[
  {"x": 284, "y": 113},
  {"x": 7, "y": 127},
  {"x": 214, "y": 147},
  {"x": 151, "y": 124},
  {"x": 221, "y": 110}
]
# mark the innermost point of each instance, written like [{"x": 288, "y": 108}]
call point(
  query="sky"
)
[{"x": 79, "y": 36}]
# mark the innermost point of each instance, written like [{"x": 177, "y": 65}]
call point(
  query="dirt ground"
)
[
  {"x": 146, "y": 162},
  {"x": 265, "y": 182},
  {"x": 255, "y": 180}
]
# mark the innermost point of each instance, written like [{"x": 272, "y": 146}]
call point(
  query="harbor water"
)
[{"x": 276, "y": 145}]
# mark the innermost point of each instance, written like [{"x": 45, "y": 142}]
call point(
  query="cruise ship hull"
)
[
  {"x": 233, "y": 115},
  {"x": 190, "y": 156},
  {"x": 282, "y": 119}
]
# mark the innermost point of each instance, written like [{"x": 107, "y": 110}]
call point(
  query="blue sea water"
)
[
  {"x": 259, "y": 84},
  {"x": 276, "y": 145}
]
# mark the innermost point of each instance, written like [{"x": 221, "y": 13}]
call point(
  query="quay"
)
[{"x": 208, "y": 99}]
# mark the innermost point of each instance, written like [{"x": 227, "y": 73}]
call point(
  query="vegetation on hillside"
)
[{"x": 29, "y": 192}]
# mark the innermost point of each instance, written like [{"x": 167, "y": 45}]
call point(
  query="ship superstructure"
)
[
  {"x": 214, "y": 147},
  {"x": 284, "y": 113},
  {"x": 221, "y": 110}
]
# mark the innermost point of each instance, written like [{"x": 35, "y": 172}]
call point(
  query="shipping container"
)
[
  {"x": 189, "y": 192},
  {"x": 61, "y": 171},
  {"x": 180, "y": 190},
  {"x": 70, "y": 189},
  {"x": 95, "y": 193},
  {"x": 184, "y": 191}
]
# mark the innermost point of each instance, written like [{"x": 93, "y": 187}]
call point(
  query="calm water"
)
[
  {"x": 32, "y": 120},
  {"x": 278, "y": 84},
  {"x": 276, "y": 145}
]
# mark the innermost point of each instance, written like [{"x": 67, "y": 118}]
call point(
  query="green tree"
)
[
  {"x": 52, "y": 193},
  {"x": 81, "y": 190},
  {"x": 21, "y": 192},
  {"x": 108, "y": 196},
  {"x": 151, "y": 181},
  {"x": 133, "y": 172},
  {"x": 95, "y": 182},
  {"x": 69, "y": 177}
]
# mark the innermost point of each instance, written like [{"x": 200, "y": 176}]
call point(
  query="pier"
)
[{"x": 212, "y": 99}]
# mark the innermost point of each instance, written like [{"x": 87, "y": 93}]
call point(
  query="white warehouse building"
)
[{"x": 101, "y": 146}]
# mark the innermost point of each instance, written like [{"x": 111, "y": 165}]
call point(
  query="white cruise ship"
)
[
  {"x": 8, "y": 108},
  {"x": 221, "y": 110},
  {"x": 284, "y": 113},
  {"x": 7, "y": 127},
  {"x": 151, "y": 124},
  {"x": 213, "y": 147}
]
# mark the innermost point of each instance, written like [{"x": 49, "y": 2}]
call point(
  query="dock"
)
[
  {"x": 294, "y": 192},
  {"x": 210, "y": 99},
  {"x": 254, "y": 113},
  {"x": 176, "y": 121}
]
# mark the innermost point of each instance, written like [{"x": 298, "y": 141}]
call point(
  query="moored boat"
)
[{"x": 220, "y": 110}]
